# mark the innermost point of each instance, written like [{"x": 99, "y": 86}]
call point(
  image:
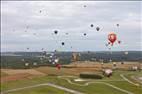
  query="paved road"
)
[{"x": 128, "y": 80}]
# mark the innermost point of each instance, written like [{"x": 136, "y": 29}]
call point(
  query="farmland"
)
[{"x": 66, "y": 78}]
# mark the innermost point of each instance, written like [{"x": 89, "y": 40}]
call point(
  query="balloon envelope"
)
[
  {"x": 126, "y": 53},
  {"x": 112, "y": 38},
  {"x": 119, "y": 41},
  {"x": 84, "y": 34},
  {"x": 63, "y": 43},
  {"x": 117, "y": 25},
  {"x": 58, "y": 66},
  {"x": 91, "y": 25},
  {"x": 106, "y": 44},
  {"x": 84, "y": 5},
  {"x": 97, "y": 28},
  {"x": 55, "y": 31},
  {"x": 56, "y": 60}
]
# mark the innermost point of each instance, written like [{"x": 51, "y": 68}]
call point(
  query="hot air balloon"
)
[
  {"x": 126, "y": 53},
  {"x": 56, "y": 60},
  {"x": 63, "y": 43},
  {"x": 27, "y": 27},
  {"x": 97, "y": 28},
  {"x": 41, "y": 58},
  {"x": 35, "y": 64},
  {"x": 58, "y": 66},
  {"x": 119, "y": 41},
  {"x": 92, "y": 25},
  {"x": 42, "y": 48},
  {"x": 106, "y": 44},
  {"x": 26, "y": 64},
  {"x": 44, "y": 53},
  {"x": 56, "y": 32},
  {"x": 85, "y": 6},
  {"x": 84, "y": 34},
  {"x": 23, "y": 60},
  {"x": 75, "y": 57},
  {"x": 117, "y": 25},
  {"x": 55, "y": 50},
  {"x": 112, "y": 38}
]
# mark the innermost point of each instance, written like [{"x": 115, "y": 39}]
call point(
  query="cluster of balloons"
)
[
  {"x": 97, "y": 28},
  {"x": 112, "y": 38},
  {"x": 55, "y": 61},
  {"x": 56, "y": 32}
]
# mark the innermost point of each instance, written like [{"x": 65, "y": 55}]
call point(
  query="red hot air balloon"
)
[
  {"x": 112, "y": 38},
  {"x": 58, "y": 66}
]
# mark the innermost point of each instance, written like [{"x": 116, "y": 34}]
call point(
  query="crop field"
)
[{"x": 49, "y": 80}]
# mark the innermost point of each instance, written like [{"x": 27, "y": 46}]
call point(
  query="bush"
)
[
  {"x": 53, "y": 75},
  {"x": 91, "y": 75}
]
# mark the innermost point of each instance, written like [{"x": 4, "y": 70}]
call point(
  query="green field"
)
[
  {"x": 41, "y": 90},
  {"x": 96, "y": 86}
]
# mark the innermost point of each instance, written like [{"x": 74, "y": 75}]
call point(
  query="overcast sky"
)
[{"x": 31, "y": 24}]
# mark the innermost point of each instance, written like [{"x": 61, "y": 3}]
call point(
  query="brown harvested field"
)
[
  {"x": 78, "y": 67},
  {"x": 21, "y": 71},
  {"x": 18, "y": 74},
  {"x": 64, "y": 71},
  {"x": 97, "y": 65},
  {"x": 3, "y": 74},
  {"x": 15, "y": 77}
]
